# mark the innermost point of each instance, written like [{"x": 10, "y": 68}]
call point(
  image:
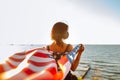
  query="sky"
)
[{"x": 30, "y": 21}]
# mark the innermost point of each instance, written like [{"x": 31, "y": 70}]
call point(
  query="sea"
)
[{"x": 104, "y": 60}]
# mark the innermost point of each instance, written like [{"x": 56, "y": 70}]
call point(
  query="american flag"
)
[
  {"x": 41, "y": 65},
  {"x": 12, "y": 62},
  {"x": 65, "y": 65}
]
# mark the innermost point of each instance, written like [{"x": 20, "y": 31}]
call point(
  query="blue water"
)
[{"x": 103, "y": 59}]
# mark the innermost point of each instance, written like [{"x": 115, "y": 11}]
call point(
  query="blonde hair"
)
[{"x": 59, "y": 32}]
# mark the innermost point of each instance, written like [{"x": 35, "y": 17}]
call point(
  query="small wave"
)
[
  {"x": 111, "y": 72},
  {"x": 106, "y": 62}
]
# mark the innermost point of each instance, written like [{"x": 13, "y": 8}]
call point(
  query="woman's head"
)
[{"x": 59, "y": 31}]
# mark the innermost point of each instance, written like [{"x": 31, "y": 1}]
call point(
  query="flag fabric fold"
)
[{"x": 41, "y": 65}]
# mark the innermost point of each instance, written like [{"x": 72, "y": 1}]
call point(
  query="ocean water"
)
[{"x": 103, "y": 59}]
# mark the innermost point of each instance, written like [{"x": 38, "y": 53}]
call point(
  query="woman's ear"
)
[{"x": 66, "y": 35}]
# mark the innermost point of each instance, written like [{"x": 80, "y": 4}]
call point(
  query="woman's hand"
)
[
  {"x": 77, "y": 59},
  {"x": 81, "y": 49}
]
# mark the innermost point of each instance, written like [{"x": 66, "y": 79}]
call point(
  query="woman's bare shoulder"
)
[{"x": 70, "y": 47}]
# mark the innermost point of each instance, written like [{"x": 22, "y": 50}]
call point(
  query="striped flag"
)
[
  {"x": 65, "y": 65},
  {"x": 65, "y": 61},
  {"x": 40, "y": 61},
  {"x": 12, "y": 62},
  {"x": 41, "y": 65}
]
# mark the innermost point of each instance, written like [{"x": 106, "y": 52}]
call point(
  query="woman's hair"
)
[{"x": 59, "y": 32}]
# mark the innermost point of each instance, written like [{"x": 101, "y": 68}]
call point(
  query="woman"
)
[
  {"x": 59, "y": 47},
  {"x": 59, "y": 33}
]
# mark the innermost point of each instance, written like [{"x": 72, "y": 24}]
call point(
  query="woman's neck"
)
[{"x": 59, "y": 43}]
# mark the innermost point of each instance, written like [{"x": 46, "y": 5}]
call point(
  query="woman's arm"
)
[{"x": 77, "y": 59}]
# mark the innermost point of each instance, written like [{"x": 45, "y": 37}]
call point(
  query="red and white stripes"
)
[
  {"x": 40, "y": 65},
  {"x": 12, "y": 62},
  {"x": 38, "y": 62}
]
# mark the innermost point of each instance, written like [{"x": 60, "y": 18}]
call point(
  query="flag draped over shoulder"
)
[{"x": 41, "y": 65}]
